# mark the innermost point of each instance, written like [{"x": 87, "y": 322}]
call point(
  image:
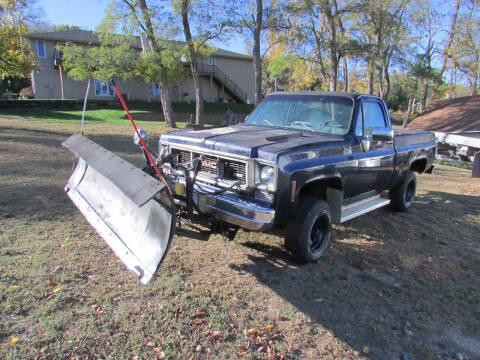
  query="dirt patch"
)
[
  {"x": 459, "y": 114},
  {"x": 392, "y": 286}
]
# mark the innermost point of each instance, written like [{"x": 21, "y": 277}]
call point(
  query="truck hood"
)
[{"x": 247, "y": 140}]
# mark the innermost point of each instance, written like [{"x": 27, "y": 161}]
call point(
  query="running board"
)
[{"x": 362, "y": 207}]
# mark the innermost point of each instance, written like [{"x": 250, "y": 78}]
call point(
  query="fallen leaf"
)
[
  {"x": 199, "y": 314},
  {"x": 214, "y": 335},
  {"x": 242, "y": 348},
  {"x": 269, "y": 327},
  {"x": 160, "y": 354},
  {"x": 366, "y": 349},
  {"x": 14, "y": 340},
  {"x": 13, "y": 287},
  {"x": 93, "y": 307},
  {"x": 254, "y": 332},
  {"x": 198, "y": 321},
  {"x": 254, "y": 307},
  {"x": 198, "y": 348},
  {"x": 52, "y": 283},
  {"x": 276, "y": 336},
  {"x": 57, "y": 289}
]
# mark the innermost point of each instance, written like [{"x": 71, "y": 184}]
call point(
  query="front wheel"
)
[
  {"x": 308, "y": 235},
  {"x": 403, "y": 196}
]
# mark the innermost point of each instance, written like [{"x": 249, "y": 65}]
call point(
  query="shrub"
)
[{"x": 26, "y": 93}]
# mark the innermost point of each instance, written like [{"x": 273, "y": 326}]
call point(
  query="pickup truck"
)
[{"x": 300, "y": 162}]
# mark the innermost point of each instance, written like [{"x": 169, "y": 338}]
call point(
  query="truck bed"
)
[{"x": 405, "y": 140}]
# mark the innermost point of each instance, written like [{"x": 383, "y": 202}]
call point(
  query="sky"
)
[{"x": 88, "y": 14}]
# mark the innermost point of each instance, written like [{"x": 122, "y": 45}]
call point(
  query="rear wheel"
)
[
  {"x": 403, "y": 196},
  {"x": 308, "y": 235}
]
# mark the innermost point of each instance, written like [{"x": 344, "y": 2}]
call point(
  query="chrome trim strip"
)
[
  {"x": 236, "y": 210},
  {"x": 194, "y": 148}
]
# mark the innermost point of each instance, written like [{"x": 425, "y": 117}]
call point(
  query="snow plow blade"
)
[{"x": 128, "y": 208}]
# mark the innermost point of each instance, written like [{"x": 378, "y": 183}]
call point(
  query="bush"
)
[{"x": 26, "y": 93}]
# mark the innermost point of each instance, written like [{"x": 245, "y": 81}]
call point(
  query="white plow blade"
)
[{"x": 129, "y": 209}]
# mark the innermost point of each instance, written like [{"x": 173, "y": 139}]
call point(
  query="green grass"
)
[
  {"x": 457, "y": 164},
  {"x": 114, "y": 114},
  {"x": 105, "y": 116}
]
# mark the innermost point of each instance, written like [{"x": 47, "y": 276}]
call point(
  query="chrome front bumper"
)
[{"x": 234, "y": 209}]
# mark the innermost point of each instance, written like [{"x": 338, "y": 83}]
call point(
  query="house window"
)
[
  {"x": 41, "y": 49},
  {"x": 211, "y": 61},
  {"x": 154, "y": 90},
  {"x": 103, "y": 88}
]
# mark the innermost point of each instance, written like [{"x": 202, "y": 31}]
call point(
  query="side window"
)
[
  {"x": 359, "y": 122},
  {"x": 372, "y": 116},
  {"x": 41, "y": 49}
]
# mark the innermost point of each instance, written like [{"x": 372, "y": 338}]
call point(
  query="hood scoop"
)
[{"x": 284, "y": 136}]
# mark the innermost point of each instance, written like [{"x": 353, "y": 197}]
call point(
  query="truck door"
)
[{"x": 376, "y": 161}]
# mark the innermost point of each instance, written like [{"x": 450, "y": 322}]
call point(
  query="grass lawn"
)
[
  {"x": 392, "y": 285},
  {"x": 103, "y": 116}
]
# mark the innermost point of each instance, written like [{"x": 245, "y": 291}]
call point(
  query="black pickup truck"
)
[{"x": 301, "y": 161}]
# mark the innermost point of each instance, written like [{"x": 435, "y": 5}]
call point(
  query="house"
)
[{"x": 225, "y": 76}]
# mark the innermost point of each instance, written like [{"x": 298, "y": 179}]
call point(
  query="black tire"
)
[
  {"x": 403, "y": 196},
  {"x": 308, "y": 235}
]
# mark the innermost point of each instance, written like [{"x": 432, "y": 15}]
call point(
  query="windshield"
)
[{"x": 326, "y": 114}]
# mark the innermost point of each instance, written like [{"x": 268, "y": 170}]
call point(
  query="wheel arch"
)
[
  {"x": 329, "y": 189},
  {"x": 419, "y": 165}
]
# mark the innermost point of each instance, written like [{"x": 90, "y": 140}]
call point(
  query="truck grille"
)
[{"x": 214, "y": 167}]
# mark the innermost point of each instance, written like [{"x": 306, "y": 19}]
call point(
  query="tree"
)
[
  {"x": 465, "y": 51},
  {"x": 382, "y": 30},
  {"x": 206, "y": 26},
  {"x": 63, "y": 27},
  {"x": 16, "y": 60},
  {"x": 156, "y": 62},
  {"x": 317, "y": 33},
  {"x": 253, "y": 17}
]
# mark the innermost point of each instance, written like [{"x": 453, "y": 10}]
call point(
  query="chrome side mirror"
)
[
  {"x": 136, "y": 139},
  {"x": 382, "y": 134},
  {"x": 366, "y": 142}
]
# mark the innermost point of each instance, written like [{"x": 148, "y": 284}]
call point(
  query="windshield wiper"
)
[
  {"x": 267, "y": 122},
  {"x": 303, "y": 124}
]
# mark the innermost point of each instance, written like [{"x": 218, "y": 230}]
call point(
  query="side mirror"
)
[
  {"x": 136, "y": 139},
  {"x": 382, "y": 134}
]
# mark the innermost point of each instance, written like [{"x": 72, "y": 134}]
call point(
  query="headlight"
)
[
  {"x": 265, "y": 177},
  {"x": 267, "y": 174}
]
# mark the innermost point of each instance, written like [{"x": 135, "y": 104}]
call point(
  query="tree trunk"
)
[
  {"x": 423, "y": 103},
  {"x": 380, "y": 82},
  {"x": 333, "y": 74},
  {"x": 61, "y": 81},
  {"x": 345, "y": 74},
  {"x": 451, "y": 36},
  {"x": 193, "y": 63},
  {"x": 370, "y": 77},
  {"x": 386, "y": 79},
  {"x": 163, "y": 83},
  {"x": 334, "y": 58},
  {"x": 409, "y": 111},
  {"x": 257, "y": 60},
  {"x": 166, "y": 106}
]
